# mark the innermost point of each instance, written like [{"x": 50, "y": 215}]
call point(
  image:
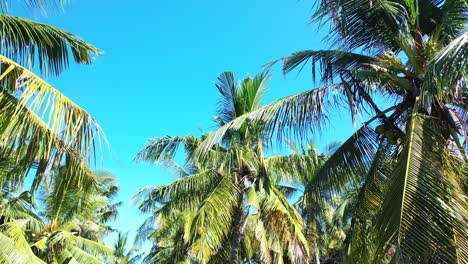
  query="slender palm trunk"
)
[
  {"x": 317, "y": 254},
  {"x": 237, "y": 232}
]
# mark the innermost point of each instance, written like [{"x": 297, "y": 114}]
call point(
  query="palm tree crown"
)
[{"x": 408, "y": 161}]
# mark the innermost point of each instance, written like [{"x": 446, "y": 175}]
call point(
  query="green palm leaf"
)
[
  {"x": 44, "y": 126},
  {"x": 424, "y": 215},
  {"x": 29, "y": 42}
]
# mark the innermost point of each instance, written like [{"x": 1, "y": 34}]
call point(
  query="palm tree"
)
[
  {"x": 120, "y": 255},
  {"x": 220, "y": 194},
  {"x": 74, "y": 225},
  {"x": 39, "y": 126},
  {"x": 326, "y": 218},
  {"x": 407, "y": 162},
  {"x": 16, "y": 216}
]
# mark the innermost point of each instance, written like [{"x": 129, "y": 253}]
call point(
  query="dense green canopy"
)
[{"x": 393, "y": 192}]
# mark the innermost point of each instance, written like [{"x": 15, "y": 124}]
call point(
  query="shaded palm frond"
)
[
  {"x": 447, "y": 73},
  {"x": 332, "y": 62},
  {"x": 424, "y": 215}
]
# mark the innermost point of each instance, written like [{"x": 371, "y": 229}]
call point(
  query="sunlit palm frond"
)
[
  {"x": 31, "y": 43},
  {"x": 213, "y": 219},
  {"x": 239, "y": 98},
  {"x": 15, "y": 248},
  {"x": 295, "y": 167},
  {"x": 44, "y": 126},
  {"x": 283, "y": 221},
  {"x": 20, "y": 208},
  {"x": 158, "y": 149},
  {"x": 183, "y": 192},
  {"x": 79, "y": 248},
  {"x": 305, "y": 112}
]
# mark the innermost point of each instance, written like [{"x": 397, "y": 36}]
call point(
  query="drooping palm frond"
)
[
  {"x": 294, "y": 167},
  {"x": 213, "y": 219},
  {"x": 31, "y": 43},
  {"x": 424, "y": 215},
  {"x": 15, "y": 248},
  {"x": 364, "y": 23},
  {"x": 33, "y": 4},
  {"x": 283, "y": 222},
  {"x": 183, "y": 192},
  {"x": 40, "y": 125},
  {"x": 77, "y": 249},
  {"x": 306, "y": 111},
  {"x": 169, "y": 245},
  {"x": 447, "y": 72},
  {"x": 163, "y": 148},
  {"x": 19, "y": 208},
  {"x": 347, "y": 164},
  {"x": 332, "y": 62},
  {"x": 359, "y": 245}
]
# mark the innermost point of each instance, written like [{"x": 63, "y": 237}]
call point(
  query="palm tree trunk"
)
[
  {"x": 237, "y": 232},
  {"x": 317, "y": 254}
]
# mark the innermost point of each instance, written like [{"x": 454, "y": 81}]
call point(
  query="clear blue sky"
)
[{"x": 161, "y": 59}]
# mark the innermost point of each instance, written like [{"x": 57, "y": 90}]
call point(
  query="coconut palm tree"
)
[
  {"x": 75, "y": 225},
  {"x": 16, "y": 216},
  {"x": 220, "y": 194},
  {"x": 74, "y": 234},
  {"x": 408, "y": 160},
  {"x": 39, "y": 126},
  {"x": 121, "y": 255}
]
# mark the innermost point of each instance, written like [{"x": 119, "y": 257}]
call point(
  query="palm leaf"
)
[
  {"x": 31, "y": 42},
  {"x": 44, "y": 127},
  {"x": 424, "y": 215},
  {"x": 303, "y": 112},
  {"x": 332, "y": 62},
  {"x": 15, "y": 247},
  {"x": 213, "y": 219},
  {"x": 448, "y": 69}
]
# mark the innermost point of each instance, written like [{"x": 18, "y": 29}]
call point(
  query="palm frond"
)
[
  {"x": 424, "y": 215},
  {"x": 184, "y": 191},
  {"x": 283, "y": 221},
  {"x": 44, "y": 126},
  {"x": 34, "y": 4},
  {"x": 213, "y": 219},
  {"x": 15, "y": 247},
  {"x": 446, "y": 72},
  {"x": 348, "y": 163},
  {"x": 165, "y": 147},
  {"x": 372, "y": 24},
  {"x": 31, "y": 42},
  {"x": 295, "y": 115},
  {"x": 332, "y": 62}
]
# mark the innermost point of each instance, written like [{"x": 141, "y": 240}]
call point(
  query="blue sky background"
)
[{"x": 161, "y": 59}]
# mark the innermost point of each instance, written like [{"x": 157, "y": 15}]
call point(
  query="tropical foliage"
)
[
  {"x": 255, "y": 190},
  {"x": 121, "y": 255},
  {"x": 229, "y": 205},
  {"x": 62, "y": 216},
  {"x": 407, "y": 163}
]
